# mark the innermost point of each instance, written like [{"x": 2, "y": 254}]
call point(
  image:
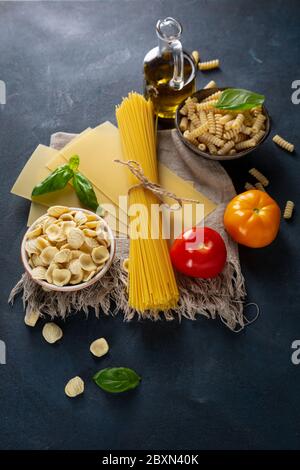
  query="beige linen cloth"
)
[{"x": 221, "y": 297}]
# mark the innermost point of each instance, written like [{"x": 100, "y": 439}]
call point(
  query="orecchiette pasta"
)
[
  {"x": 61, "y": 277},
  {"x": 57, "y": 211},
  {"x": 74, "y": 387},
  {"x": 67, "y": 247}
]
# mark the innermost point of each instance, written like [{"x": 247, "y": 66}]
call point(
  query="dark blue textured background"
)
[{"x": 66, "y": 65}]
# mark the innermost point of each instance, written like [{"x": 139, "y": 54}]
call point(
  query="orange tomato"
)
[{"x": 252, "y": 218}]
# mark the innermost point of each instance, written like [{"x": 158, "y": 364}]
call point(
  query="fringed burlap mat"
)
[{"x": 220, "y": 297}]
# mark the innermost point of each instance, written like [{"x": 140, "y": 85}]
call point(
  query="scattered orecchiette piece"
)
[
  {"x": 57, "y": 211},
  {"x": 75, "y": 266},
  {"x": 100, "y": 255},
  {"x": 48, "y": 254},
  {"x": 31, "y": 247},
  {"x": 80, "y": 218},
  {"x": 35, "y": 232},
  {"x": 66, "y": 216},
  {"x": 61, "y": 277},
  {"x": 54, "y": 233},
  {"x": 67, "y": 225},
  {"x": 99, "y": 347},
  {"x": 87, "y": 276},
  {"x": 92, "y": 217},
  {"x": 92, "y": 224},
  {"x": 41, "y": 243},
  {"x": 89, "y": 233},
  {"x": 87, "y": 263},
  {"x": 63, "y": 256},
  {"x": 104, "y": 239},
  {"x": 37, "y": 261},
  {"x": 76, "y": 278},
  {"x": 49, "y": 272},
  {"x": 31, "y": 317},
  {"x": 74, "y": 387},
  {"x": 52, "y": 332},
  {"x": 75, "y": 254},
  {"x": 91, "y": 243},
  {"x": 48, "y": 220},
  {"x": 75, "y": 238},
  {"x": 39, "y": 272}
]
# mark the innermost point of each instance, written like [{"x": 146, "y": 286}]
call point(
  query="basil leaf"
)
[
  {"x": 85, "y": 191},
  {"x": 116, "y": 379},
  {"x": 239, "y": 99},
  {"x": 58, "y": 179},
  {"x": 74, "y": 162}
]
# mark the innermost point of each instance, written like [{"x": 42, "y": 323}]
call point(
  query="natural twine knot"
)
[{"x": 155, "y": 188}]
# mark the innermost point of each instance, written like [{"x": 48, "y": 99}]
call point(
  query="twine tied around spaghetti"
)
[{"x": 157, "y": 189}]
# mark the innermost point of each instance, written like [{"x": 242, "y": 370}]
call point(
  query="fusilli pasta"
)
[
  {"x": 283, "y": 143},
  {"x": 289, "y": 209},
  {"x": 259, "y": 176},
  {"x": 211, "y": 84},
  {"x": 209, "y": 65}
]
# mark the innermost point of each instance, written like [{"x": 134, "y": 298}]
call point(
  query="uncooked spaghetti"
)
[{"x": 152, "y": 283}]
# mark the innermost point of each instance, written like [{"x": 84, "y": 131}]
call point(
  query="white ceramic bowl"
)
[{"x": 82, "y": 285}]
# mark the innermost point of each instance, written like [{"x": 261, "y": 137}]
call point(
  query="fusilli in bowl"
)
[{"x": 203, "y": 95}]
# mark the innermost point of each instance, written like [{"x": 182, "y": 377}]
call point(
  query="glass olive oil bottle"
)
[{"x": 169, "y": 72}]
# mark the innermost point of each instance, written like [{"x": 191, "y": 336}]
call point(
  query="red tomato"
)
[{"x": 199, "y": 252}]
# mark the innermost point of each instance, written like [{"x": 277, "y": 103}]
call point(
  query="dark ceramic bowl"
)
[{"x": 201, "y": 95}]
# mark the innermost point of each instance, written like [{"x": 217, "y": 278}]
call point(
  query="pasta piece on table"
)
[
  {"x": 196, "y": 56},
  {"x": 211, "y": 84},
  {"x": 283, "y": 143},
  {"x": 288, "y": 211},
  {"x": 259, "y": 176},
  {"x": 209, "y": 65}
]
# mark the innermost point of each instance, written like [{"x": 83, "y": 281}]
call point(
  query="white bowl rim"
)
[{"x": 75, "y": 287}]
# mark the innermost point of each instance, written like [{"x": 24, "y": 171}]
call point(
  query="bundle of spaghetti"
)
[{"x": 152, "y": 284}]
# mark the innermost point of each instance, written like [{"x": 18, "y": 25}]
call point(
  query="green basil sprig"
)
[
  {"x": 117, "y": 379},
  {"x": 239, "y": 99},
  {"x": 85, "y": 191},
  {"x": 59, "y": 178}
]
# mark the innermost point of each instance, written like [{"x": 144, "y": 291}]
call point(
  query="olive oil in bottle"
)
[{"x": 169, "y": 72}]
